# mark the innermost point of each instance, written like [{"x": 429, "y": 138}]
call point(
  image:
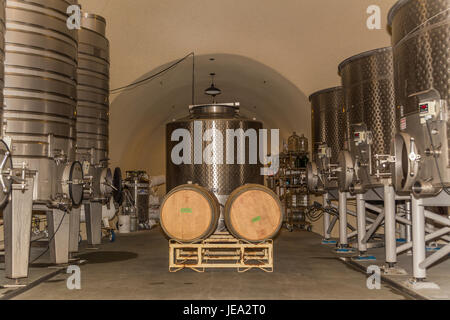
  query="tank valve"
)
[{"x": 425, "y": 189}]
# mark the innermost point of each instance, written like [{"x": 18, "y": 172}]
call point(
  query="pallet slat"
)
[{"x": 221, "y": 250}]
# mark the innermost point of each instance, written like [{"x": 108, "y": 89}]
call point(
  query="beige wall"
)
[
  {"x": 270, "y": 55},
  {"x": 293, "y": 45}
]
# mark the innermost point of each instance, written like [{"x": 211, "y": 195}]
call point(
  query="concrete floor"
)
[
  {"x": 136, "y": 267},
  {"x": 437, "y": 273}
]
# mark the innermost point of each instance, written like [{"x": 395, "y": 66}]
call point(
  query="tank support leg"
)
[
  {"x": 408, "y": 227},
  {"x": 93, "y": 213},
  {"x": 343, "y": 246},
  {"x": 361, "y": 225},
  {"x": 390, "y": 226},
  {"x": 58, "y": 229},
  {"x": 419, "y": 251},
  {"x": 326, "y": 218},
  {"x": 74, "y": 232},
  {"x": 17, "y": 229}
]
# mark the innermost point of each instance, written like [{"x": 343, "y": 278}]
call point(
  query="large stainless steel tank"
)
[
  {"x": 421, "y": 41},
  {"x": 93, "y": 90},
  {"x": 2, "y": 56},
  {"x": 328, "y": 120},
  {"x": 329, "y": 132},
  {"x": 368, "y": 82},
  {"x": 40, "y": 91},
  {"x": 93, "y": 106},
  {"x": 5, "y": 155},
  {"x": 221, "y": 179}
]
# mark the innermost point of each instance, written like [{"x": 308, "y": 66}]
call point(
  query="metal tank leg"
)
[
  {"x": 343, "y": 246},
  {"x": 58, "y": 231},
  {"x": 326, "y": 218},
  {"x": 74, "y": 232},
  {"x": 17, "y": 217},
  {"x": 418, "y": 235},
  {"x": 93, "y": 212},
  {"x": 361, "y": 225},
  {"x": 327, "y": 228},
  {"x": 408, "y": 227},
  {"x": 418, "y": 243},
  {"x": 402, "y": 227},
  {"x": 390, "y": 224}
]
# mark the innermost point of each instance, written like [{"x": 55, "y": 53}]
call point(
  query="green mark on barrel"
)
[
  {"x": 186, "y": 210},
  {"x": 256, "y": 219}
]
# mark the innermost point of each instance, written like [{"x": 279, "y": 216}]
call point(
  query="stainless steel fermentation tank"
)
[
  {"x": 329, "y": 131},
  {"x": 39, "y": 126},
  {"x": 221, "y": 179},
  {"x": 421, "y": 41},
  {"x": 364, "y": 169},
  {"x": 93, "y": 91},
  {"x": 368, "y": 82},
  {"x": 92, "y": 125},
  {"x": 5, "y": 156},
  {"x": 40, "y": 95}
]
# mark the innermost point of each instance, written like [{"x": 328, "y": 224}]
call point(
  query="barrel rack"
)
[{"x": 221, "y": 250}]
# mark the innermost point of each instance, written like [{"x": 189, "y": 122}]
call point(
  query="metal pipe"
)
[
  {"x": 354, "y": 233},
  {"x": 430, "y": 230},
  {"x": 326, "y": 218},
  {"x": 379, "y": 210},
  {"x": 373, "y": 227},
  {"x": 361, "y": 222},
  {"x": 437, "y": 218},
  {"x": 353, "y": 213},
  {"x": 402, "y": 226},
  {"x": 418, "y": 236},
  {"x": 374, "y": 208},
  {"x": 408, "y": 217},
  {"x": 332, "y": 224},
  {"x": 437, "y": 234},
  {"x": 343, "y": 240},
  {"x": 435, "y": 257},
  {"x": 390, "y": 225}
]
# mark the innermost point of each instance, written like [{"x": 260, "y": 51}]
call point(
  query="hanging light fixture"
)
[{"x": 213, "y": 91}]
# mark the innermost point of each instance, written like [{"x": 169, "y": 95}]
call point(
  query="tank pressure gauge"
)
[
  {"x": 322, "y": 152},
  {"x": 86, "y": 168},
  {"x": 360, "y": 137},
  {"x": 428, "y": 111}
]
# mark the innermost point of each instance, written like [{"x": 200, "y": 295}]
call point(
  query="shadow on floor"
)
[{"x": 107, "y": 256}]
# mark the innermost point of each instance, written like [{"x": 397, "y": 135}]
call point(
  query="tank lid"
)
[
  {"x": 324, "y": 91},
  {"x": 362, "y": 55},
  {"x": 394, "y": 10},
  {"x": 218, "y": 108}
]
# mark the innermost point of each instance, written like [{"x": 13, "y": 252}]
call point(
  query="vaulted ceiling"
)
[{"x": 268, "y": 55}]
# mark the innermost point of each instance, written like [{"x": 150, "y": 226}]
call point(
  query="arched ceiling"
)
[{"x": 269, "y": 56}]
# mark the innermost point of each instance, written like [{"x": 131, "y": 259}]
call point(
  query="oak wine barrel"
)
[
  {"x": 189, "y": 213},
  {"x": 253, "y": 213}
]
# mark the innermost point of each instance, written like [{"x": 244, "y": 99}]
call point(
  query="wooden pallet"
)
[{"x": 221, "y": 250}]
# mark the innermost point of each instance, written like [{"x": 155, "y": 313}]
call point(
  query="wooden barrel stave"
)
[
  {"x": 189, "y": 213},
  {"x": 253, "y": 213}
]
